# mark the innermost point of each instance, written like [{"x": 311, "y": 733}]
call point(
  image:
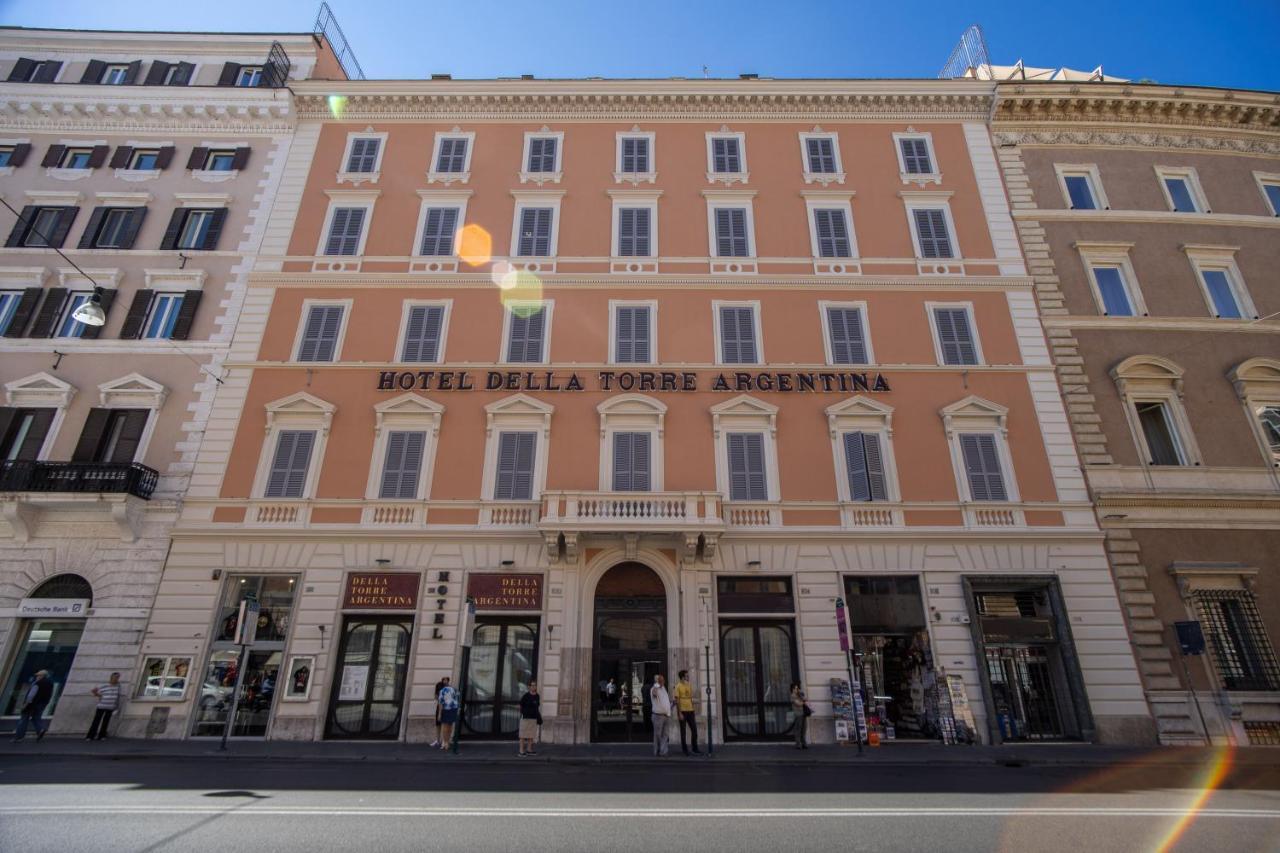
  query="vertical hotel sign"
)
[{"x": 505, "y": 591}]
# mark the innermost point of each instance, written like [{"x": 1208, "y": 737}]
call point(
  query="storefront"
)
[
  {"x": 504, "y": 651},
  {"x": 758, "y": 653},
  {"x": 890, "y": 640},
  {"x": 52, "y": 621}
]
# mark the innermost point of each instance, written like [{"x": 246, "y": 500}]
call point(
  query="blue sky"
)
[{"x": 1223, "y": 43}]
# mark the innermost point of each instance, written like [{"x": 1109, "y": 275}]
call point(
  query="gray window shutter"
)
[
  {"x": 403, "y": 465},
  {"x": 847, "y": 343},
  {"x": 833, "y": 233},
  {"x": 186, "y": 315},
  {"x": 22, "y": 314},
  {"x": 93, "y": 72},
  {"x": 182, "y": 77},
  {"x": 364, "y": 155},
  {"x": 320, "y": 337},
  {"x": 157, "y": 72},
  {"x": 746, "y": 467},
  {"x": 534, "y": 239},
  {"x": 915, "y": 157},
  {"x": 865, "y": 466},
  {"x": 22, "y": 70},
  {"x": 130, "y": 437},
  {"x": 344, "y": 231},
  {"x": 438, "y": 231},
  {"x": 635, "y": 155},
  {"x": 931, "y": 229},
  {"x": 633, "y": 232},
  {"x": 95, "y": 427},
  {"x": 632, "y": 462},
  {"x": 422, "y": 333},
  {"x": 516, "y": 452},
  {"x": 215, "y": 229},
  {"x": 725, "y": 155},
  {"x": 632, "y": 344},
  {"x": 738, "y": 335},
  {"x": 955, "y": 336},
  {"x": 288, "y": 477},
  {"x": 230, "y": 71},
  {"x": 47, "y": 72},
  {"x": 822, "y": 155},
  {"x": 542, "y": 154},
  {"x": 982, "y": 465},
  {"x": 731, "y": 232},
  {"x": 528, "y": 330},
  {"x": 120, "y": 157},
  {"x": 453, "y": 155}
]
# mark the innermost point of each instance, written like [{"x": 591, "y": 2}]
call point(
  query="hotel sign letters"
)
[
  {"x": 381, "y": 591},
  {"x": 825, "y": 382},
  {"x": 505, "y": 591}
]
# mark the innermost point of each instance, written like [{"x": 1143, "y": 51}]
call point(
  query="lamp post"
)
[
  {"x": 706, "y": 646},
  {"x": 468, "y": 614}
]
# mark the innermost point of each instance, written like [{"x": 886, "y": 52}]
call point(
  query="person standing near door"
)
[
  {"x": 448, "y": 704},
  {"x": 440, "y": 685},
  {"x": 660, "y": 713},
  {"x": 800, "y": 708},
  {"x": 108, "y": 701},
  {"x": 683, "y": 696},
  {"x": 530, "y": 718},
  {"x": 34, "y": 703}
]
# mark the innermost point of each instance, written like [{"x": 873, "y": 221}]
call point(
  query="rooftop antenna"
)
[
  {"x": 327, "y": 26},
  {"x": 706, "y": 72},
  {"x": 970, "y": 58}
]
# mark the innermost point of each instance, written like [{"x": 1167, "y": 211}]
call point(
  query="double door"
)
[
  {"x": 621, "y": 706},
  {"x": 504, "y": 659},
  {"x": 758, "y": 665},
  {"x": 367, "y": 699}
]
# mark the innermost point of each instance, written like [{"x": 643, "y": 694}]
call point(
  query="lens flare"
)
[
  {"x": 475, "y": 245},
  {"x": 337, "y": 105},
  {"x": 516, "y": 287},
  {"x": 1214, "y": 772}
]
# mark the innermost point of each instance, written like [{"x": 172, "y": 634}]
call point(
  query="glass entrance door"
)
[
  {"x": 368, "y": 692},
  {"x": 46, "y": 644},
  {"x": 758, "y": 662},
  {"x": 504, "y": 657},
  {"x": 620, "y": 712}
]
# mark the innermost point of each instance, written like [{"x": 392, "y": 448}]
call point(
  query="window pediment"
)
[
  {"x": 134, "y": 390},
  {"x": 859, "y": 413},
  {"x": 519, "y": 410},
  {"x": 1257, "y": 378},
  {"x": 634, "y": 411},
  {"x": 408, "y": 410},
  {"x": 38, "y": 391},
  {"x": 974, "y": 413},
  {"x": 746, "y": 412},
  {"x": 302, "y": 407},
  {"x": 1140, "y": 373}
]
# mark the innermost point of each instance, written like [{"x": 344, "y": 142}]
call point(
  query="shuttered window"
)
[
  {"x": 632, "y": 461},
  {"x": 635, "y": 155},
  {"x": 527, "y": 334},
  {"x": 848, "y": 343},
  {"x": 403, "y": 465},
  {"x": 516, "y": 451},
  {"x": 634, "y": 227},
  {"x": 832, "y": 228},
  {"x": 747, "y": 480},
  {"x": 731, "y": 233},
  {"x": 344, "y": 231},
  {"x": 534, "y": 239},
  {"x": 438, "y": 230},
  {"x": 542, "y": 154},
  {"x": 113, "y": 228},
  {"x": 453, "y": 156},
  {"x": 726, "y": 156},
  {"x": 822, "y": 155},
  {"x": 22, "y": 432},
  {"x": 738, "y": 335},
  {"x": 982, "y": 467},
  {"x": 864, "y": 464},
  {"x": 288, "y": 476},
  {"x": 915, "y": 156},
  {"x": 9, "y": 301},
  {"x": 931, "y": 232},
  {"x": 320, "y": 335},
  {"x": 364, "y": 155},
  {"x": 164, "y": 314},
  {"x": 422, "y": 333},
  {"x": 633, "y": 331},
  {"x": 955, "y": 336}
]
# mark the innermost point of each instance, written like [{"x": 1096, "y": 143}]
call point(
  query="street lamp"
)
[{"x": 90, "y": 312}]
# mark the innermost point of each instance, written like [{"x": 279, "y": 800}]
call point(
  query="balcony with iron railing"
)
[{"x": 128, "y": 478}]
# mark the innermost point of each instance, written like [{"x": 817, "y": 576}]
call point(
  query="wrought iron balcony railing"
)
[{"x": 128, "y": 478}]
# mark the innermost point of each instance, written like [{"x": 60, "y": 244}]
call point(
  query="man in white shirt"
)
[{"x": 660, "y": 712}]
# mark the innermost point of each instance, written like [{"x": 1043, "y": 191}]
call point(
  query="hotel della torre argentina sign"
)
[{"x": 824, "y": 382}]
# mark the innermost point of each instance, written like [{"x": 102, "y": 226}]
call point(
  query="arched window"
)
[{"x": 65, "y": 586}]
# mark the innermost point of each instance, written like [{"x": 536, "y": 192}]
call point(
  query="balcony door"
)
[{"x": 111, "y": 436}]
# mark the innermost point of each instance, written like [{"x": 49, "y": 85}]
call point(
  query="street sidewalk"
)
[{"x": 900, "y": 753}]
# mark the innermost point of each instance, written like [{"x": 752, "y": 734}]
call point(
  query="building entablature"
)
[
  {"x": 120, "y": 109},
  {"x": 1129, "y": 104}
]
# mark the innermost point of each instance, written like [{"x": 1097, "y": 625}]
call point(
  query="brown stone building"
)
[{"x": 1148, "y": 217}]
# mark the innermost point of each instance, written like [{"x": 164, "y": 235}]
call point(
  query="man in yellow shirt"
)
[{"x": 683, "y": 696}]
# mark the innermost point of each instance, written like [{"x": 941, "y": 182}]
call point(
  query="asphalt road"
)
[{"x": 63, "y": 804}]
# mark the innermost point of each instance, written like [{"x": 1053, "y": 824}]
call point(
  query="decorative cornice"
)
[
  {"x": 75, "y": 108},
  {"x": 1113, "y": 138},
  {"x": 1137, "y": 104}
]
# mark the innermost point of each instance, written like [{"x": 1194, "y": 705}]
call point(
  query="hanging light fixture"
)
[{"x": 90, "y": 312}]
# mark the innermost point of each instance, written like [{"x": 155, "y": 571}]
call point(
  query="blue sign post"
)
[{"x": 1191, "y": 642}]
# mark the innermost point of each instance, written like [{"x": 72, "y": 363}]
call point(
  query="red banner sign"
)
[
  {"x": 505, "y": 591},
  {"x": 381, "y": 591}
]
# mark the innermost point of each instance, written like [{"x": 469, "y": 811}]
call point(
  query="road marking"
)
[{"x": 252, "y": 808}]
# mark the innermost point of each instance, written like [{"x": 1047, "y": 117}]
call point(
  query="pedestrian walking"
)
[
  {"x": 440, "y": 685},
  {"x": 802, "y": 712},
  {"x": 33, "y": 705},
  {"x": 684, "y": 709},
  {"x": 660, "y": 714},
  {"x": 447, "y": 702},
  {"x": 108, "y": 701},
  {"x": 530, "y": 718}
]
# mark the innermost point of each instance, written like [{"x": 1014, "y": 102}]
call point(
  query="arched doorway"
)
[
  {"x": 48, "y": 638},
  {"x": 630, "y": 648}
]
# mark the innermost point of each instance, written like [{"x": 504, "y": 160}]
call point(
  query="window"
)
[
  {"x": 1113, "y": 291},
  {"x": 732, "y": 239},
  {"x": 954, "y": 335},
  {"x": 633, "y": 154},
  {"x": 736, "y": 334},
  {"x": 846, "y": 335},
  {"x": 287, "y": 477},
  {"x": 439, "y": 228},
  {"x": 1182, "y": 190},
  {"x": 933, "y": 237},
  {"x": 1269, "y": 184},
  {"x": 1218, "y": 284},
  {"x": 527, "y": 332},
  {"x": 864, "y": 464},
  {"x": 34, "y": 71},
  {"x": 23, "y": 433},
  {"x": 346, "y": 228},
  {"x": 831, "y": 228},
  {"x": 220, "y": 161},
  {"x": 452, "y": 157},
  {"x": 423, "y": 333},
  {"x": 9, "y": 300},
  {"x": 1257, "y": 383},
  {"x": 178, "y": 74},
  {"x": 77, "y": 158},
  {"x": 632, "y": 461},
  {"x": 516, "y": 458},
  {"x": 542, "y": 154},
  {"x": 534, "y": 234},
  {"x": 6, "y": 155},
  {"x": 115, "y": 75},
  {"x": 321, "y": 332},
  {"x": 982, "y": 467},
  {"x": 1081, "y": 186},
  {"x": 1224, "y": 290},
  {"x": 1269, "y": 421},
  {"x": 821, "y": 155},
  {"x": 249, "y": 76},
  {"x": 1238, "y": 641},
  {"x": 68, "y": 326},
  {"x": 747, "y": 478},
  {"x": 1158, "y": 433},
  {"x": 363, "y": 156},
  {"x": 916, "y": 161},
  {"x": 145, "y": 159},
  {"x": 194, "y": 228},
  {"x": 113, "y": 228},
  {"x": 633, "y": 333},
  {"x": 112, "y": 436},
  {"x": 402, "y": 467},
  {"x": 1115, "y": 287},
  {"x": 42, "y": 226},
  {"x": 726, "y": 157},
  {"x": 163, "y": 316},
  {"x": 634, "y": 228}
]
